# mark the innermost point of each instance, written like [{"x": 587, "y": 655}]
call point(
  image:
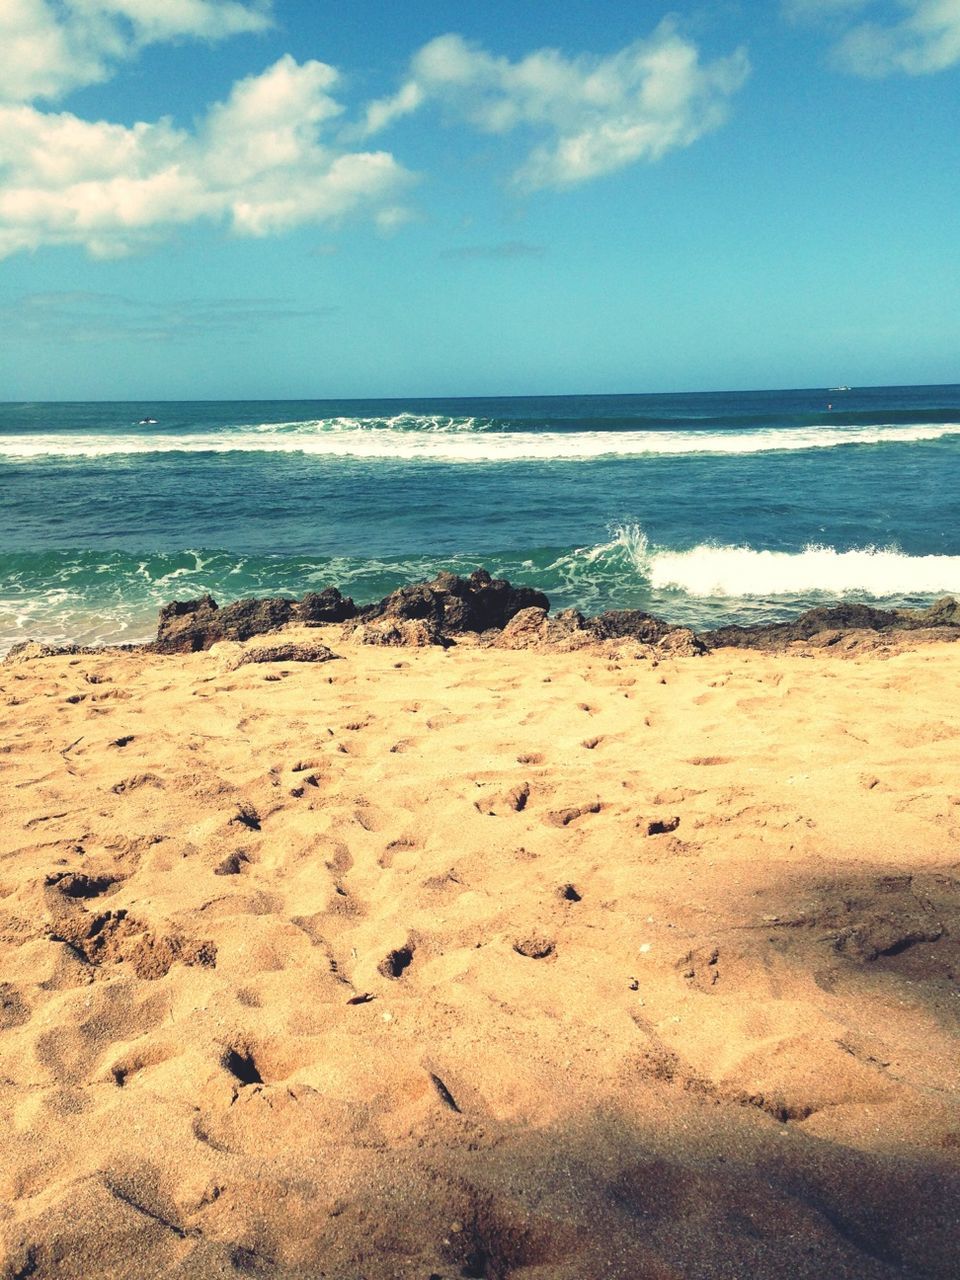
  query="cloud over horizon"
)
[{"x": 598, "y": 114}]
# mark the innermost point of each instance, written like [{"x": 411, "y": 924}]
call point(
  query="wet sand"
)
[{"x": 461, "y": 963}]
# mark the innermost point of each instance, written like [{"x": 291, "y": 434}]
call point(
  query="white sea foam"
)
[
  {"x": 464, "y": 443},
  {"x": 746, "y": 573}
]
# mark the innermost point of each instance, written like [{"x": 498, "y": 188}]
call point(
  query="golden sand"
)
[{"x": 474, "y": 963}]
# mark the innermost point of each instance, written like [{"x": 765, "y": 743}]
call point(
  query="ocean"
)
[{"x": 702, "y": 508}]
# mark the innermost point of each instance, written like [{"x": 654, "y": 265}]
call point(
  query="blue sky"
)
[{"x": 245, "y": 199}]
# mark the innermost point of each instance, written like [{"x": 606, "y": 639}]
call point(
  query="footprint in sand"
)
[
  {"x": 396, "y": 962},
  {"x": 564, "y": 817},
  {"x": 658, "y": 826},
  {"x": 393, "y": 848},
  {"x": 80, "y": 884},
  {"x": 233, "y": 864},
  {"x": 444, "y": 721},
  {"x": 512, "y": 801},
  {"x": 137, "y": 781}
]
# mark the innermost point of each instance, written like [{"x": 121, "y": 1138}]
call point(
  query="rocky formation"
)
[
  {"x": 409, "y": 633},
  {"x": 830, "y": 624},
  {"x": 186, "y": 626},
  {"x": 446, "y": 607},
  {"x": 509, "y": 617},
  {"x": 455, "y": 605},
  {"x": 319, "y": 607},
  {"x": 569, "y": 630},
  {"x": 630, "y": 624}
]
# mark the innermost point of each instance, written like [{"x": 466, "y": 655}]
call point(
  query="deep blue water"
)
[{"x": 703, "y": 508}]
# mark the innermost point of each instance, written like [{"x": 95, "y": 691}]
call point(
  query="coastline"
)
[
  {"x": 585, "y": 958},
  {"x": 449, "y": 609}
]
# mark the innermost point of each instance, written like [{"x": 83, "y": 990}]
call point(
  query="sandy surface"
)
[{"x": 472, "y": 963}]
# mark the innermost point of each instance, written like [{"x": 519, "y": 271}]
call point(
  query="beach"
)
[
  {"x": 473, "y": 961},
  {"x": 479, "y": 641}
]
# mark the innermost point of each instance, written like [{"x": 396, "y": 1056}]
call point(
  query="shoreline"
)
[
  {"x": 468, "y": 960},
  {"x": 449, "y": 609}
]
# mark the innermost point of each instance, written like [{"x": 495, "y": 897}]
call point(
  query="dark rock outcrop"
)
[
  {"x": 327, "y": 605},
  {"x": 456, "y": 605},
  {"x": 417, "y": 602},
  {"x": 446, "y": 607},
  {"x": 835, "y": 620},
  {"x": 429, "y": 613},
  {"x": 944, "y": 612},
  {"x": 186, "y": 626},
  {"x": 629, "y": 624}
]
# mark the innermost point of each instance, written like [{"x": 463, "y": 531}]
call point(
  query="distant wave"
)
[{"x": 467, "y": 440}]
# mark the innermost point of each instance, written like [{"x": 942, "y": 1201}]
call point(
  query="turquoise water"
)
[{"x": 702, "y": 508}]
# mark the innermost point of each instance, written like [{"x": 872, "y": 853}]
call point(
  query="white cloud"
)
[
  {"x": 259, "y": 162},
  {"x": 599, "y": 114},
  {"x": 47, "y": 48},
  {"x": 926, "y": 38}
]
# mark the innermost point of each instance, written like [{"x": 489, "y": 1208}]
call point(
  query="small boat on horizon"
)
[{"x": 838, "y": 388}]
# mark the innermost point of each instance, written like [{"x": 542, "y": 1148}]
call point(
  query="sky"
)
[{"x": 272, "y": 199}]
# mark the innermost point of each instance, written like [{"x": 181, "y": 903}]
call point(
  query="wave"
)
[
  {"x": 746, "y": 573},
  {"x": 461, "y": 441}
]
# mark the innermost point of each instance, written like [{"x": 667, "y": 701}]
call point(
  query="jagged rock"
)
[
  {"x": 511, "y": 617},
  {"x": 482, "y": 603},
  {"x": 186, "y": 626},
  {"x": 827, "y": 625},
  {"x": 416, "y": 602},
  {"x": 568, "y": 630},
  {"x": 681, "y": 642},
  {"x": 246, "y": 618},
  {"x": 416, "y": 633},
  {"x": 944, "y": 612},
  {"x": 525, "y": 630},
  {"x": 326, "y": 606},
  {"x": 183, "y": 625},
  {"x": 460, "y": 605},
  {"x": 629, "y": 624}
]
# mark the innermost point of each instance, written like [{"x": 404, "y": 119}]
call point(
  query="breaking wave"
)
[
  {"x": 745, "y": 573},
  {"x": 413, "y": 438}
]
